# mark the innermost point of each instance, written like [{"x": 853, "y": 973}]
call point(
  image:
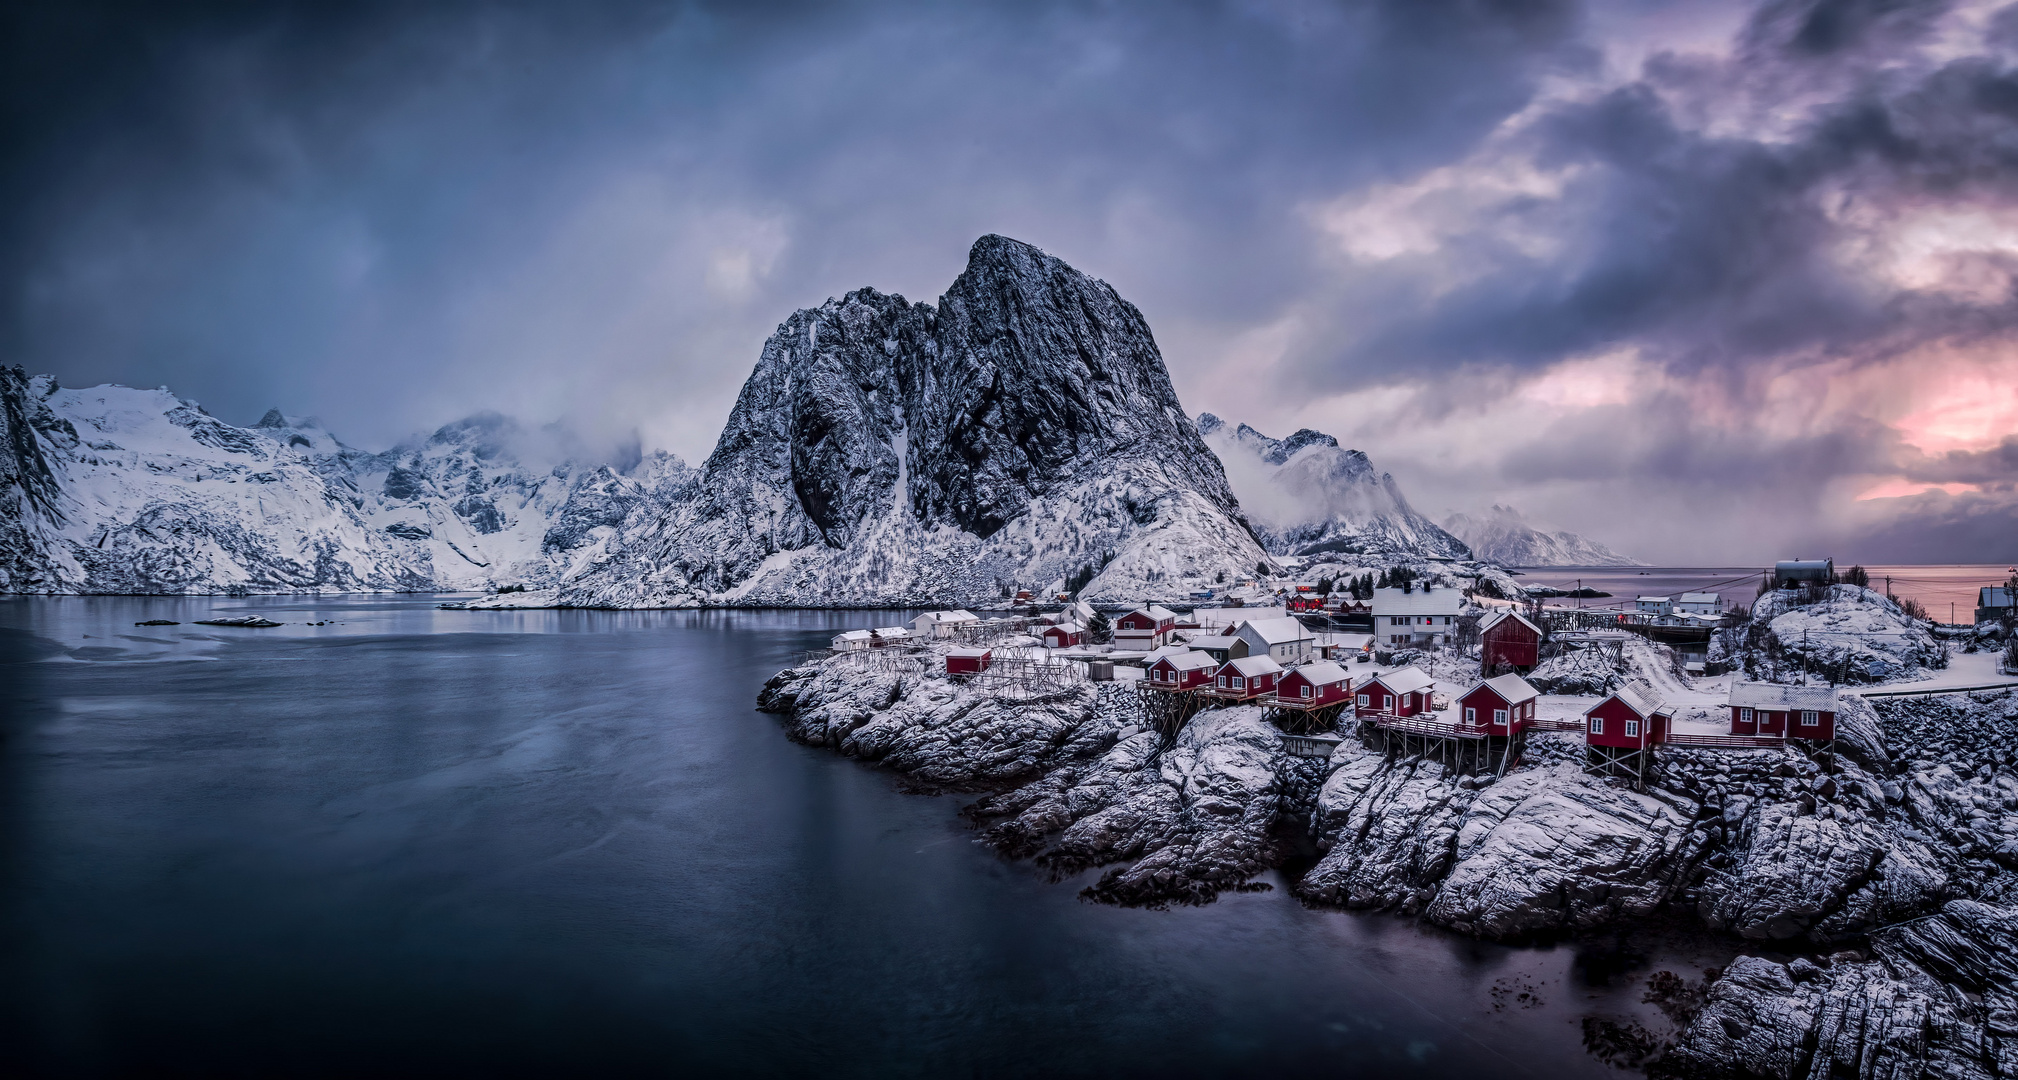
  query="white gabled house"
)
[
  {"x": 941, "y": 624},
  {"x": 1285, "y": 640},
  {"x": 851, "y": 640},
  {"x": 1416, "y": 617}
]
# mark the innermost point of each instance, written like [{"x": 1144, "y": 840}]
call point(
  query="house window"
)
[
  {"x": 1632, "y": 729},
  {"x": 1499, "y": 717},
  {"x": 1306, "y": 690},
  {"x": 1239, "y": 683},
  {"x": 1809, "y": 719},
  {"x": 1744, "y": 716},
  {"x": 1362, "y": 701},
  {"x": 1470, "y": 715},
  {"x": 1597, "y": 725}
]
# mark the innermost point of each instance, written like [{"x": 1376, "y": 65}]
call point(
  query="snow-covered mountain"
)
[
  {"x": 1503, "y": 536},
  {"x": 118, "y": 490},
  {"x": 1019, "y": 433},
  {"x": 1308, "y": 496}
]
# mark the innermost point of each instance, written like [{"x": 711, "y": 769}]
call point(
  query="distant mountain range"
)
[
  {"x": 119, "y": 490},
  {"x": 1503, "y": 536},
  {"x": 1306, "y": 495}
]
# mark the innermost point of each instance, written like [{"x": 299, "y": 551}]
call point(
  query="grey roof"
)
[
  {"x": 1654, "y": 599},
  {"x": 1636, "y": 701},
  {"x": 1700, "y": 598},
  {"x": 1323, "y": 672},
  {"x": 1276, "y": 631},
  {"x": 1250, "y": 666},
  {"x": 1407, "y": 680},
  {"x": 1497, "y": 617},
  {"x": 1512, "y": 689},
  {"x": 1420, "y": 602},
  {"x": 1229, "y": 616},
  {"x": 1755, "y": 695}
]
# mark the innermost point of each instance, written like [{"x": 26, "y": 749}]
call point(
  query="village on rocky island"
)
[{"x": 1818, "y": 776}]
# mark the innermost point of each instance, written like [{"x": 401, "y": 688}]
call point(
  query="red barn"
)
[
  {"x": 1507, "y": 638},
  {"x": 1626, "y": 720},
  {"x": 1185, "y": 671},
  {"x": 1800, "y": 712},
  {"x": 967, "y": 661},
  {"x": 1397, "y": 693},
  {"x": 1499, "y": 706},
  {"x": 1323, "y": 683},
  {"x": 1144, "y": 628},
  {"x": 1247, "y": 678},
  {"x": 1064, "y": 635}
]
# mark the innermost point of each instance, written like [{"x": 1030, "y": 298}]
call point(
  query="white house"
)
[
  {"x": 941, "y": 624},
  {"x": 1699, "y": 603},
  {"x": 1285, "y": 640},
  {"x": 1418, "y": 617},
  {"x": 851, "y": 640},
  {"x": 1654, "y": 605}
]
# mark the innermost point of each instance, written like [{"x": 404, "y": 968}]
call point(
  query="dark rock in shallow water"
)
[
  {"x": 239, "y": 620},
  {"x": 158, "y": 622}
]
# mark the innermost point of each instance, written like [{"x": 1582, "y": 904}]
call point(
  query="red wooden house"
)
[
  {"x": 1316, "y": 685},
  {"x": 1184, "y": 671},
  {"x": 1064, "y": 635},
  {"x": 1799, "y": 712},
  {"x": 1508, "y": 639},
  {"x": 1626, "y": 720},
  {"x": 1247, "y": 678},
  {"x": 1499, "y": 706},
  {"x": 1397, "y": 693},
  {"x": 967, "y": 661},
  {"x": 1144, "y": 628}
]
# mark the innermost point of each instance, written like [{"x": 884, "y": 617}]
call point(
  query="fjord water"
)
[{"x": 529, "y": 842}]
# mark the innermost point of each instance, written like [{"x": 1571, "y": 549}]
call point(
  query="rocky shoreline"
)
[{"x": 1880, "y": 886}]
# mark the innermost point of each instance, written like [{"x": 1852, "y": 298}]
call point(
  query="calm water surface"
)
[{"x": 498, "y": 842}]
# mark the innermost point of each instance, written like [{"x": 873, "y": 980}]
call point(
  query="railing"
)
[
  {"x": 1411, "y": 725},
  {"x": 1555, "y": 725},
  {"x": 1728, "y": 742}
]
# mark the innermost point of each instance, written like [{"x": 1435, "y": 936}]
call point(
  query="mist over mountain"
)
[
  {"x": 113, "y": 489},
  {"x": 1503, "y": 536},
  {"x": 1305, "y": 495},
  {"x": 1022, "y": 431}
]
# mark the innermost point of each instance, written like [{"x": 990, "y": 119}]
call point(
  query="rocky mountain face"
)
[
  {"x": 1022, "y": 431},
  {"x": 1503, "y": 536},
  {"x": 118, "y": 490},
  {"x": 1306, "y": 495}
]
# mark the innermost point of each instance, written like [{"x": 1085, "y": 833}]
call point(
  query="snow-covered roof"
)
[
  {"x": 1635, "y": 700},
  {"x": 966, "y": 651},
  {"x": 1423, "y": 601},
  {"x": 1188, "y": 661},
  {"x": 1699, "y": 598},
  {"x": 956, "y": 615},
  {"x": 892, "y": 631},
  {"x": 1407, "y": 680},
  {"x": 853, "y": 635},
  {"x": 1276, "y": 631},
  {"x": 1333, "y": 639},
  {"x": 1502, "y": 615},
  {"x": 1156, "y": 612},
  {"x": 1065, "y": 628},
  {"x": 1511, "y": 689},
  {"x": 1754, "y": 695},
  {"x": 1228, "y": 616},
  {"x": 1250, "y": 666},
  {"x": 1654, "y": 599},
  {"x": 1322, "y": 673},
  {"x": 1152, "y": 656}
]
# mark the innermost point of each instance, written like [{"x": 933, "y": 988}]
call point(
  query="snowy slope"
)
[
  {"x": 885, "y": 452},
  {"x": 1503, "y": 536},
  {"x": 119, "y": 490},
  {"x": 1306, "y": 496}
]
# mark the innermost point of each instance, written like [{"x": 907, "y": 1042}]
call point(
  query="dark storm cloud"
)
[
  {"x": 257, "y": 203},
  {"x": 1721, "y": 251}
]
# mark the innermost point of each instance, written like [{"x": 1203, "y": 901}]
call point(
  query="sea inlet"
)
[{"x": 384, "y": 836}]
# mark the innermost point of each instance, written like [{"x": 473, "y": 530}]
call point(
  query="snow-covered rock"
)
[
  {"x": 1306, "y": 495},
  {"x": 1851, "y": 633},
  {"x": 1502, "y": 535},
  {"x": 117, "y": 490},
  {"x": 1021, "y": 432}
]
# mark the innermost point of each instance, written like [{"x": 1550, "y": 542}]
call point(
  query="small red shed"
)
[
  {"x": 1322, "y": 683},
  {"x": 1398, "y": 693},
  {"x": 1246, "y": 678},
  {"x": 967, "y": 661},
  {"x": 1507, "y": 638},
  {"x": 1499, "y": 706},
  {"x": 1626, "y": 720},
  {"x": 1800, "y": 712},
  {"x": 1064, "y": 635},
  {"x": 1184, "y": 671}
]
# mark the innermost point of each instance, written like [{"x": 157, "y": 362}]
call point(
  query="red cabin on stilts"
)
[
  {"x": 1315, "y": 685},
  {"x": 1508, "y": 639},
  {"x": 1185, "y": 671},
  {"x": 1800, "y": 712},
  {"x": 1500, "y": 706},
  {"x": 1397, "y": 693}
]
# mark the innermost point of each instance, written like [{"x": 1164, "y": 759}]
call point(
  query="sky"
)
[{"x": 1711, "y": 283}]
